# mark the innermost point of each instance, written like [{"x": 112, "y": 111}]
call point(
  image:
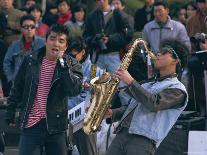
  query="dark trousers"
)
[
  {"x": 86, "y": 144},
  {"x": 130, "y": 144},
  {"x": 34, "y": 138},
  {"x": 2, "y": 144}
]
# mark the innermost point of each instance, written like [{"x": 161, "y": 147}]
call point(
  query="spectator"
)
[
  {"x": 118, "y": 4},
  {"x": 50, "y": 17},
  {"x": 76, "y": 25},
  {"x": 13, "y": 16},
  {"x": 28, "y": 4},
  {"x": 143, "y": 15},
  {"x": 41, "y": 28},
  {"x": 163, "y": 27},
  {"x": 64, "y": 11},
  {"x": 182, "y": 16},
  {"x": 106, "y": 32},
  {"x": 198, "y": 22},
  {"x": 24, "y": 46},
  {"x": 197, "y": 64},
  {"x": 86, "y": 144},
  {"x": 191, "y": 9}
]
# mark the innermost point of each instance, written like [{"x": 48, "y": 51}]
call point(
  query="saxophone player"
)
[{"x": 152, "y": 107}]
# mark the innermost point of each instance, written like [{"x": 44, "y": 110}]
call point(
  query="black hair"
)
[
  {"x": 28, "y": 0},
  {"x": 122, "y": 2},
  {"x": 193, "y": 4},
  {"x": 78, "y": 44},
  {"x": 26, "y": 17},
  {"x": 78, "y": 8},
  {"x": 164, "y": 4},
  {"x": 60, "y": 1},
  {"x": 200, "y": 1},
  {"x": 59, "y": 29},
  {"x": 35, "y": 7},
  {"x": 181, "y": 50},
  {"x": 50, "y": 6}
]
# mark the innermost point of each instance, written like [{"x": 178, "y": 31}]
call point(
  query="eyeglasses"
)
[
  {"x": 27, "y": 27},
  {"x": 168, "y": 49}
]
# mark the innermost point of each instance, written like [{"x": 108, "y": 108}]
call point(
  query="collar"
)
[
  {"x": 157, "y": 78},
  {"x": 168, "y": 25},
  {"x": 172, "y": 75}
]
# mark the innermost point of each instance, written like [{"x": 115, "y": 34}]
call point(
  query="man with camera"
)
[{"x": 106, "y": 32}]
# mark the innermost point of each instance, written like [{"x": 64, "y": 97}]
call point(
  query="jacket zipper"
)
[
  {"x": 46, "y": 105},
  {"x": 26, "y": 111}
]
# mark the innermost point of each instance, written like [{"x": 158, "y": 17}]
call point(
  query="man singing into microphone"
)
[{"x": 40, "y": 90}]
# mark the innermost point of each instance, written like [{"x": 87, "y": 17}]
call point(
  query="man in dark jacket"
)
[
  {"x": 41, "y": 88},
  {"x": 106, "y": 32},
  {"x": 143, "y": 15}
]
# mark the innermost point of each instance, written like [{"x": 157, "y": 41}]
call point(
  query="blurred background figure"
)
[
  {"x": 86, "y": 144},
  {"x": 64, "y": 11},
  {"x": 191, "y": 9},
  {"x": 41, "y": 28},
  {"x": 143, "y": 15},
  {"x": 198, "y": 22},
  {"x": 50, "y": 16},
  {"x": 12, "y": 32},
  {"x": 76, "y": 25},
  {"x": 28, "y": 5},
  {"x": 106, "y": 32},
  {"x": 118, "y": 4},
  {"x": 182, "y": 15}
]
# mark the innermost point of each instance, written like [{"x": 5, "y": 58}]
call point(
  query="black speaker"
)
[{"x": 176, "y": 142}]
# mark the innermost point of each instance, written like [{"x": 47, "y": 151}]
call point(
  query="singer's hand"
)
[{"x": 60, "y": 54}]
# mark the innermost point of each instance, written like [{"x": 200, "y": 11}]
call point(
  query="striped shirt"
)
[{"x": 38, "y": 110}]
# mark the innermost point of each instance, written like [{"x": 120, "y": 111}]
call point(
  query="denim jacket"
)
[
  {"x": 15, "y": 54},
  {"x": 154, "y": 124},
  {"x": 86, "y": 70}
]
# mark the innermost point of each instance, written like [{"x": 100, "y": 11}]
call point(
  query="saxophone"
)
[{"x": 103, "y": 90}]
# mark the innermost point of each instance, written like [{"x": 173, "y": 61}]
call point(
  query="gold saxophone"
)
[{"x": 103, "y": 90}]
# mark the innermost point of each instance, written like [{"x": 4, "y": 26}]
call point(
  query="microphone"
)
[
  {"x": 61, "y": 62},
  {"x": 60, "y": 58}
]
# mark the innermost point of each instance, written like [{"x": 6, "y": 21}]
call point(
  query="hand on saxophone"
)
[{"x": 124, "y": 76}]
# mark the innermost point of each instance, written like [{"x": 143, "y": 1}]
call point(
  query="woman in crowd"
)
[
  {"x": 76, "y": 24},
  {"x": 41, "y": 28}
]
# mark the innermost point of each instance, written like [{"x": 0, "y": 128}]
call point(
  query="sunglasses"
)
[{"x": 27, "y": 27}]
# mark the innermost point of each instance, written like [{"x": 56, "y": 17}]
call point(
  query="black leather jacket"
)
[{"x": 66, "y": 82}]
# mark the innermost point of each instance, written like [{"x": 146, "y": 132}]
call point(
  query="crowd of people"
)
[{"x": 47, "y": 60}]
